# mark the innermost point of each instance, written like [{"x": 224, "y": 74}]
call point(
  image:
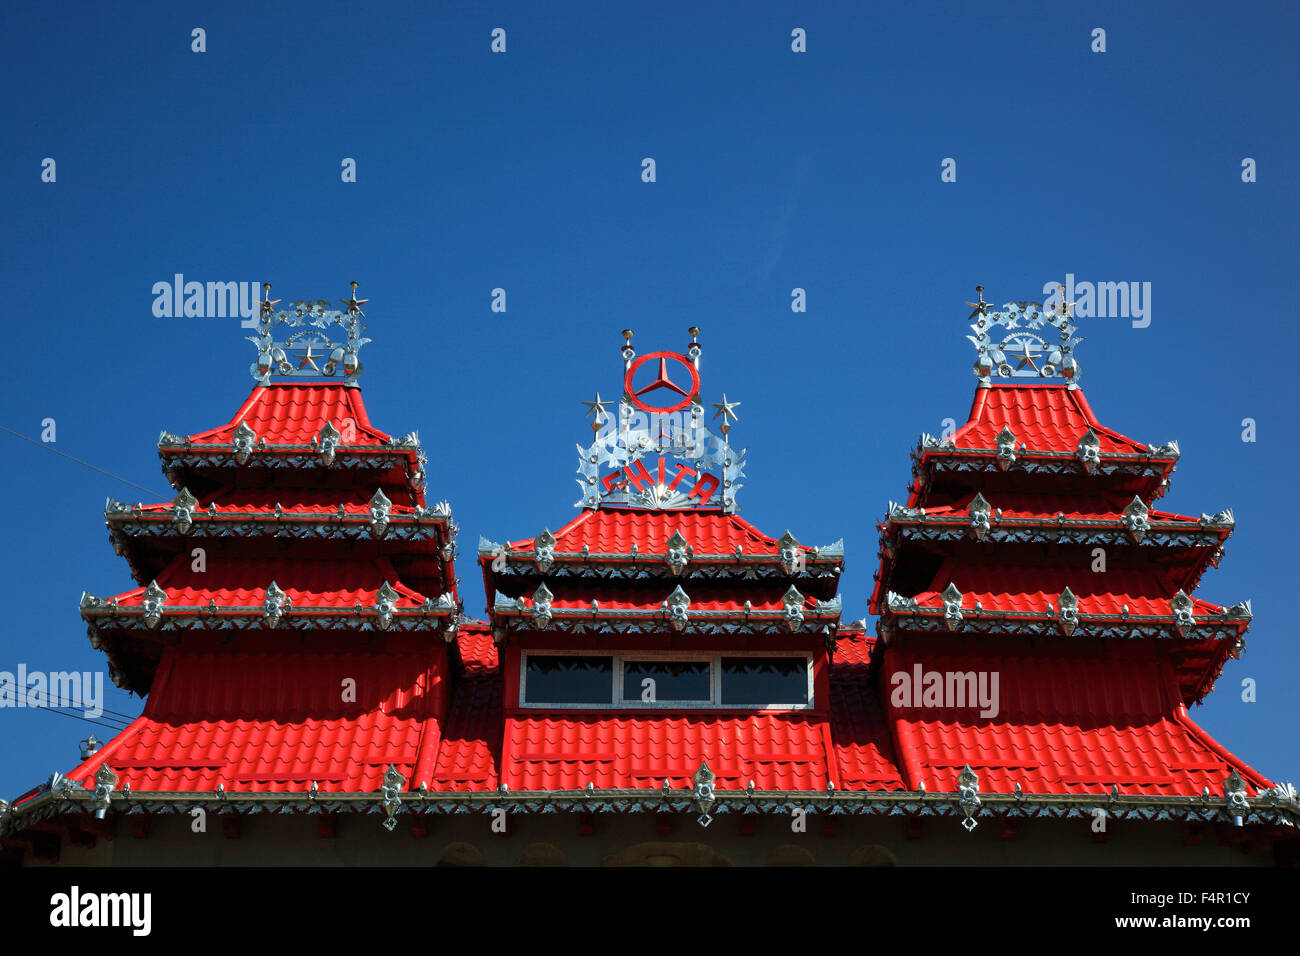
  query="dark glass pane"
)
[
  {"x": 568, "y": 680},
  {"x": 673, "y": 680},
  {"x": 764, "y": 680}
]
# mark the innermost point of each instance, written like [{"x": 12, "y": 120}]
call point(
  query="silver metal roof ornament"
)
[
  {"x": 704, "y": 780},
  {"x": 979, "y": 517},
  {"x": 657, "y": 452},
  {"x": 390, "y": 789},
  {"x": 952, "y": 599},
  {"x": 1182, "y": 605},
  {"x": 380, "y": 509},
  {"x": 792, "y": 557},
  {"x": 274, "y": 606},
  {"x": 244, "y": 441},
  {"x": 183, "y": 510},
  {"x": 327, "y": 443},
  {"x": 1069, "y": 612},
  {"x": 1024, "y": 340},
  {"x": 1006, "y": 448},
  {"x": 678, "y": 605},
  {"x": 1088, "y": 451},
  {"x": 1234, "y": 788},
  {"x": 968, "y": 786},
  {"x": 676, "y": 556},
  {"x": 542, "y": 599},
  {"x": 386, "y": 603},
  {"x": 155, "y": 599},
  {"x": 1135, "y": 519},
  {"x": 307, "y": 342},
  {"x": 89, "y": 747},
  {"x": 544, "y": 546},
  {"x": 105, "y": 783},
  {"x": 794, "y": 615}
]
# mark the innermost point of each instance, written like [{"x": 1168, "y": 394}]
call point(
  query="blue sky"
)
[{"x": 522, "y": 170}]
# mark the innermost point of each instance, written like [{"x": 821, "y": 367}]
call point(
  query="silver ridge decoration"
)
[
  {"x": 308, "y": 351},
  {"x": 661, "y": 457},
  {"x": 1024, "y": 340}
]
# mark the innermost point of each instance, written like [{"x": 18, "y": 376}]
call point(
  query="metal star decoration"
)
[
  {"x": 309, "y": 358},
  {"x": 597, "y": 408},
  {"x": 268, "y": 304},
  {"x": 726, "y": 409},
  {"x": 1026, "y": 358},
  {"x": 980, "y": 307},
  {"x": 1062, "y": 310},
  {"x": 354, "y": 304}
]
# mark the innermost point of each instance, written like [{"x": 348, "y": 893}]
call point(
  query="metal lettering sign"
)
[{"x": 657, "y": 451}]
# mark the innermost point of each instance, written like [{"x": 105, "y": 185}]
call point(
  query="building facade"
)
[{"x": 660, "y": 682}]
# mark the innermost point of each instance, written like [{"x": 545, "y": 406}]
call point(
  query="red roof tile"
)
[
  {"x": 276, "y": 721},
  {"x": 615, "y": 530},
  {"x": 478, "y": 652},
  {"x": 309, "y": 582},
  {"x": 1044, "y": 417},
  {"x": 1026, "y": 587},
  {"x": 1097, "y": 505},
  {"x": 285, "y": 414},
  {"x": 471, "y": 740},
  {"x": 778, "y": 751},
  {"x": 1065, "y": 724},
  {"x": 649, "y": 595},
  {"x": 292, "y": 500}
]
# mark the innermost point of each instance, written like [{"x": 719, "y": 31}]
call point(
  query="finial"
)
[
  {"x": 268, "y": 304},
  {"x": 627, "y": 334},
  {"x": 307, "y": 324},
  {"x": 1017, "y": 341}
]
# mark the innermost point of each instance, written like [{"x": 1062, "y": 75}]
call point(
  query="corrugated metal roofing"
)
[
  {"x": 309, "y": 582},
  {"x": 1065, "y": 724},
  {"x": 615, "y": 530},
  {"x": 1026, "y": 587},
  {"x": 1044, "y": 417},
  {"x": 285, "y": 414},
  {"x": 278, "y": 721},
  {"x": 777, "y": 751}
]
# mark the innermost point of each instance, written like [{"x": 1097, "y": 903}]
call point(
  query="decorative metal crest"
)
[
  {"x": 308, "y": 323},
  {"x": 661, "y": 456},
  {"x": 1024, "y": 340}
]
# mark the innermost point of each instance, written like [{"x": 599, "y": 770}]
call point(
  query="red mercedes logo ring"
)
[{"x": 662, "y": 381}]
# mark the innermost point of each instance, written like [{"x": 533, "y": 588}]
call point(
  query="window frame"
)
[{"x": 714, "y": 659}]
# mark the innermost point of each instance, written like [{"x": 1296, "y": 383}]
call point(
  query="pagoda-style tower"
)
[
  {"x": 1035, "y": 608},
  {"x": 295, "y": 597},
  {"x": 658, "y": 639}
]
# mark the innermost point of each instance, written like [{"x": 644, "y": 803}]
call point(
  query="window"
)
[
  {"x": 760, "y": 681},
  {"x": 665, "y": 680},
  {"x": 569, "y": 680}
]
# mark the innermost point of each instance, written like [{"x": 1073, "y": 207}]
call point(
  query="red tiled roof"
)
[
  {"x": 477, "y": 650},
  {"x": 276, "y": 721},
  {"x": 778, "y": 751},
  {"x": 1044, "y": 417},
  {"x": 1008, "y": 587},
  {"x": 1097, "y": 505},
  {"x": 637, "y": 595},
  {"x": 286, "y": 414},
  {"x": 309, "y": 582},
  {"x": 1065, "y": 725},
  {"x": 471, "y": 740},
  {"x": 292, "y": 500},
  {"x": 615, "y": 530}
]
